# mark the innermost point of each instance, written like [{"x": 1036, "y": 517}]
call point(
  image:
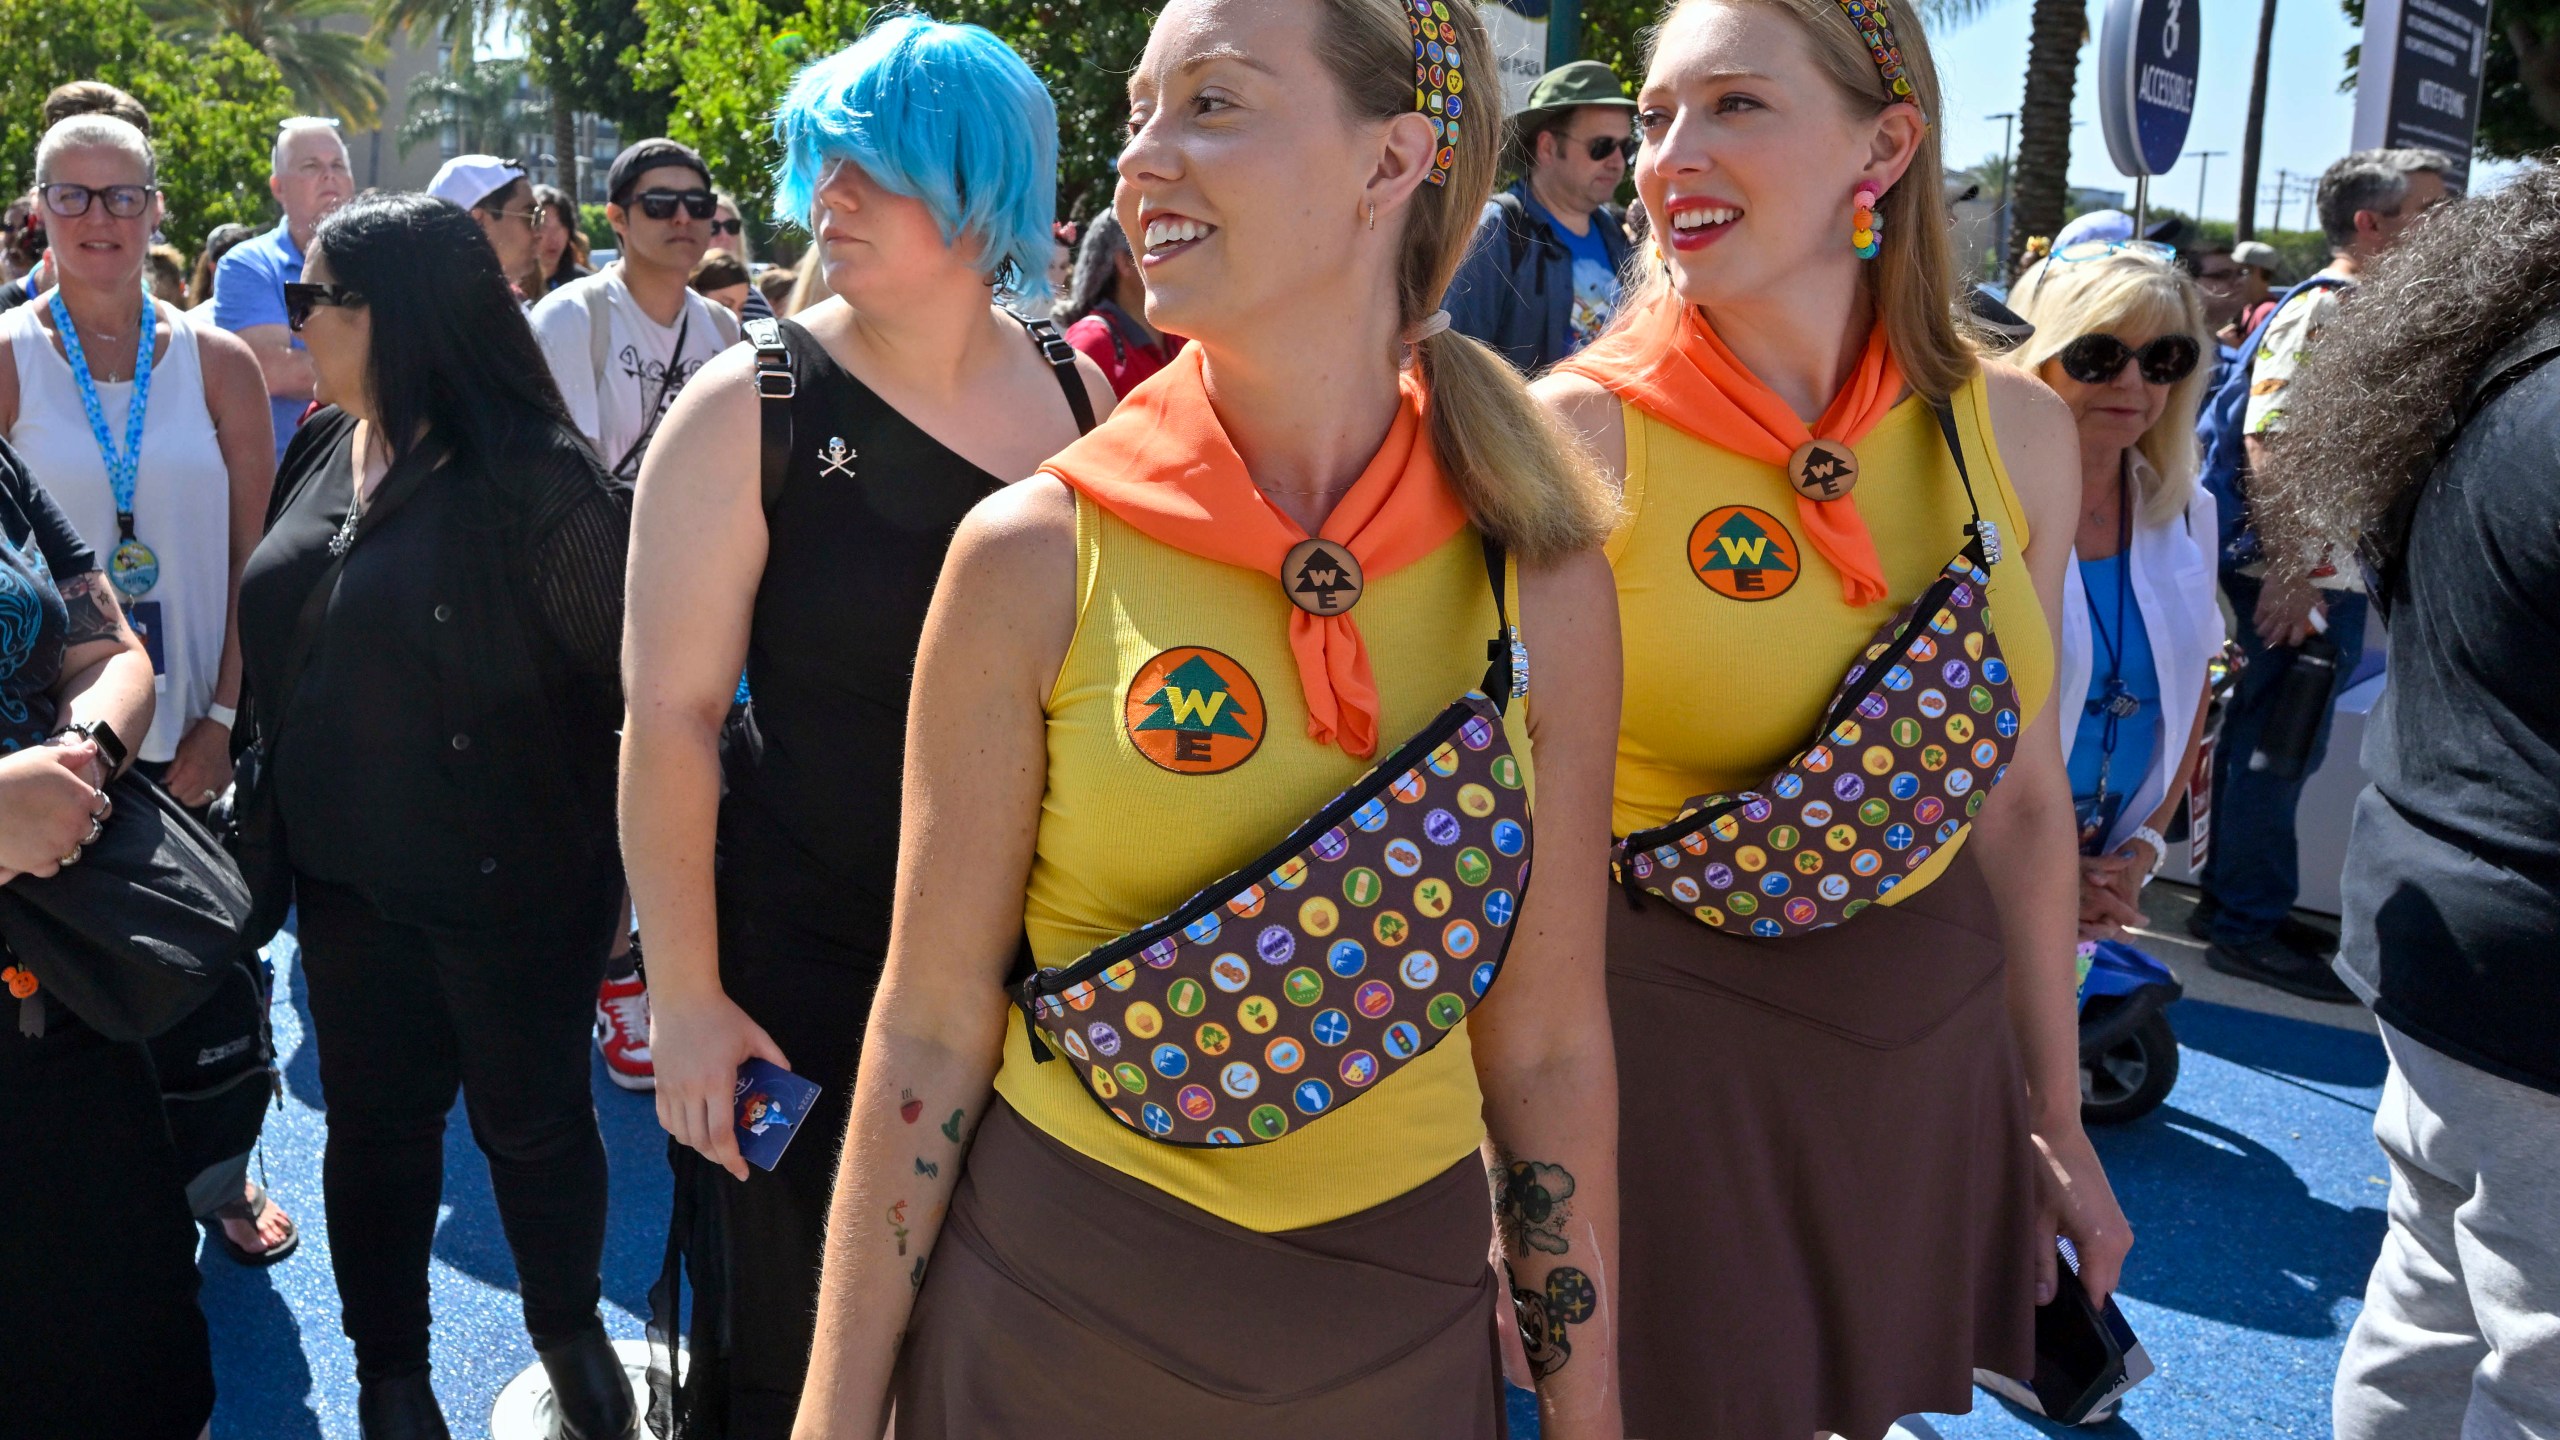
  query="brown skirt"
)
[
  {"x": 1826, "y": 1187},
  {"x": 1068, "y": 1302}
]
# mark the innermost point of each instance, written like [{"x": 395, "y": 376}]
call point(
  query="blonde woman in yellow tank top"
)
[
  {"x": 1153, "y": 663},
  {"x": 1851, "y": 1134}
]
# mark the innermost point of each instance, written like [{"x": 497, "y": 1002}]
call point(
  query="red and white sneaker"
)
[{"x": 622, "y": 1032}]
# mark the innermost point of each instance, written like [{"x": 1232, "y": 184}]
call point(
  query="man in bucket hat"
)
[{"x": 1542, "y": 279}]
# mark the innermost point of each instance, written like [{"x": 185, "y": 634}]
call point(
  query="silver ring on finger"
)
[
  {"x": 105, "y": 807},
  {"x": 74, "y": 857},
  {"x": 97, "y": 827}
]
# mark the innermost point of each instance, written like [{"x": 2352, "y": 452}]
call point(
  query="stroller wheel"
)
[{"x": 2130, "y": 1078}]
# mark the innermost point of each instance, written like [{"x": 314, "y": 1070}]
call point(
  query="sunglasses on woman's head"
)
[
  {"x": 1601, "y": 145},
  {"x": 72, "y": 201},
  {"x": 661, "y": 204},
  {"x": 2099, "y": 359},
  {"x": 301, "y": 298}
]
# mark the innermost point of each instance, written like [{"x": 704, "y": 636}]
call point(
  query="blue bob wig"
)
[{"x": 946, "y": 114}]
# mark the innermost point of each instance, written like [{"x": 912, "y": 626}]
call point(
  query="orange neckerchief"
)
[
  {"x": 1163, "y": 464},
  {"x": 1672, "y": 364}
]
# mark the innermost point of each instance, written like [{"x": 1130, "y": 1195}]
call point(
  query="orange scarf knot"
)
[
  {"x": 1670, "y": 363},
  {"x": 1162, "y": 464}
]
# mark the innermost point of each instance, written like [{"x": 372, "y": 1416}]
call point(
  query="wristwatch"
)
[
  {"x": 102, "y": 735},
  {"x": 2159, "y": 844}
]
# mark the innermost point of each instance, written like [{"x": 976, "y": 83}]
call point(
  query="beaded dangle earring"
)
[{"x": 1865, "y": 226}]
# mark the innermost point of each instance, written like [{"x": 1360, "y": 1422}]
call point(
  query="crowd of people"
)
[{"x": 1074, "y": 695}]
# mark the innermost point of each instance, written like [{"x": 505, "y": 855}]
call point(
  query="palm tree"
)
[
  {"x": 2041, "y": 191},
  {"x": 487, "y": 106},
  {"x": 2247, "y": 226},
  {"x": 329, "y": 71},
  {"x": 462, "y": 23}
]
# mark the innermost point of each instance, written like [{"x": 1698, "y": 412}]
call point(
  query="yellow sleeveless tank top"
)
[
  {"x": 1734, "y": 631},
  {"x": 1178, "y": 752}
]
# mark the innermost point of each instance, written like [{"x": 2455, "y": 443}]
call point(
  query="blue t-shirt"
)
[
  {"x": 248, "y": 289},
  {"x": 1595, "y": 280},
  {"x": 2137, "y": 737}
]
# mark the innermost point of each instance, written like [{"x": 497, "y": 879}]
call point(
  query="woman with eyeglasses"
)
[
  {"x": 162, "y": 459},
  {"x": 431, "y": 628},
  {"x": 1843, "y": 985},
  {"x": 2119, "y": 334}
]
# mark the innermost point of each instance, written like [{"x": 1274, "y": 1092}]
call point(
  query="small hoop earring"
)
[
  {"x": 1865, "y": 226},
  {"x": 1373, "y": 214}
]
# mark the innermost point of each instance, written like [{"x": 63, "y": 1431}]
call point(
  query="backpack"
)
[{"x": 2225, "y": 415}]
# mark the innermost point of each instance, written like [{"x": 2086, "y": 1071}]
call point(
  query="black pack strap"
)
[
  {"x": 628, "y": 467},
  {"x": 1985, "y": 533},
  {"x": 775, "y": 385},
  {"x": 1062, "y": 362},
  {"x": 1506, "y": 674}
]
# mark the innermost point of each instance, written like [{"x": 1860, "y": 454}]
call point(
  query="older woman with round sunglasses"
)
[{"x": 2119, "y": 334}]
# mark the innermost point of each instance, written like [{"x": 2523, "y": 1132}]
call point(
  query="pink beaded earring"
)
[{"x": 1865, "y": 225}]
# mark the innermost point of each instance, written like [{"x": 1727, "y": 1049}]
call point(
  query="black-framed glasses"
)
[
  {"x": 303, "y": 297},
  {"x": 72, "y": 201},
  {"x": 728, "y": 227},
  {"x": 2099, "y": 359},
  {"x": 1601, "y": 145},
  {"x": 661, "y": 204}
]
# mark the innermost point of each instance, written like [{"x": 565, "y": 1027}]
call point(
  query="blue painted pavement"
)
[{"x": 2256, "y": 1195}]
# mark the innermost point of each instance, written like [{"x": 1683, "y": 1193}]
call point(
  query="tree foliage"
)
[
  {"x": 485, "y": 105},
  {"x": 213, "y": 110},
  {"x": 330, "y": 71},
  {"x": 1085, "y": 51},
  {"x": 722, "y": 66}
]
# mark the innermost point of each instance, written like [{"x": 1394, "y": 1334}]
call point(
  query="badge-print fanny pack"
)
[
  {"x": 1289, "y": 988},
  {"x": 1914, "y": 738}
]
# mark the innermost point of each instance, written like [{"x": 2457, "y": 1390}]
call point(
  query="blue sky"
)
[{"x": 1982, "y": 64}]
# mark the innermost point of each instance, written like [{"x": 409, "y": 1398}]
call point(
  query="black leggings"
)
[{"x": 403, "y": 1015}]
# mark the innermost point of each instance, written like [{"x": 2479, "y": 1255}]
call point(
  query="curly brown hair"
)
[{"x": 2365, "y": 418}]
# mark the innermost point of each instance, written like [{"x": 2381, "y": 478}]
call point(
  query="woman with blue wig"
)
[{"x": 789, "y": 524}]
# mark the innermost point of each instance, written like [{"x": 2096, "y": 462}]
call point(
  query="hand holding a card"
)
[{"x": 697, "y": 1041}]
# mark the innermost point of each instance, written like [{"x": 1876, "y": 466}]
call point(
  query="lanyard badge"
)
[{"x": 133, "y": 568}]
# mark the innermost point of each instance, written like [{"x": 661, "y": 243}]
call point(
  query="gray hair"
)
[
  {"x": 299, "y": 125},
  {"x": 82, "y": 132},
  {"x": 2371, "y": 180},
  {"x": 2364, "y": 417}
]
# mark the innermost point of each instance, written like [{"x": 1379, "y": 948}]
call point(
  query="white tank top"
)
[{"x": 181, "y": 501}]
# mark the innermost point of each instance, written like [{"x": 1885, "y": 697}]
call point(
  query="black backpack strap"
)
[
  {"x": 775, "y": 385},
  {"x": 1062, "y": 360}
]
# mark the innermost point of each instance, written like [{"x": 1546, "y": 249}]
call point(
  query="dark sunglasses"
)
[
  {"x": 661, "y": 204},
  {"x": 300, "y": 299},
  {"x": 2099, "y": 359},
  {"x": 1601, "y": 145},
  {"x": 72, "y": 201},
  {"x": 727, "y": 227}
]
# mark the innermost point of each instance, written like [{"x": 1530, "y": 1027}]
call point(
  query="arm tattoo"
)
[
  {"x": 94, "y": 614},
  {"x": 1546, "y": 1316},
  {"x": 1532, "y": 1202}
]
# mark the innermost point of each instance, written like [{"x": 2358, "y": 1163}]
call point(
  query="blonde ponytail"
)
[{"x": 1522, "y": 480}]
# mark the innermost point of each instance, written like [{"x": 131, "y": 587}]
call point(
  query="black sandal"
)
[{"x": 252, "y": 1207}]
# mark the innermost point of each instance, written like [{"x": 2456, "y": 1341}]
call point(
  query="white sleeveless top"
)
[{"x": 181, "y": 501}]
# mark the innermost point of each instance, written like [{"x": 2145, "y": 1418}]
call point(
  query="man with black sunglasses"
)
[
  {"x": 621, "y": 343},
  {"x": 1542, "y": 279}
]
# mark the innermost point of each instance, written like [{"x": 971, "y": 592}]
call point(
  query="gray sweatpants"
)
[{"x": 2460, "y": 1335}]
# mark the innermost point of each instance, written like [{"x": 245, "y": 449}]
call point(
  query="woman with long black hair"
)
[{"x": 430, "y": 628}]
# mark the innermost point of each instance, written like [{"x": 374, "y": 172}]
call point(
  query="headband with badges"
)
[
  {"x": 1438, "y": 88},
  {"x": 1875, "y": 26}
]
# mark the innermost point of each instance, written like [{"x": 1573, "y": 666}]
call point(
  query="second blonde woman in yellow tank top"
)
[
  {"x": 1171, "y": 1110},
  {"x": 1842, "y": 983}
]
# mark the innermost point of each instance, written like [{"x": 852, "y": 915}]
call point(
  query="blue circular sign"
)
[{"x": 2148, "y": 55}]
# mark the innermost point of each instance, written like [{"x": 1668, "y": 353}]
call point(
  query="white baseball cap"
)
[{"x": 466, "y": 180}]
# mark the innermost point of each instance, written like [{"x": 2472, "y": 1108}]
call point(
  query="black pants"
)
[
  {"x": 403, "y": 1015},
  {"x": 97, "y": 1254},
  {"x": 758, "y": 1241}
]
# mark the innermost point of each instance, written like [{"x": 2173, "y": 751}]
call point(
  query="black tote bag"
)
[{"x": 138, "y": 934}]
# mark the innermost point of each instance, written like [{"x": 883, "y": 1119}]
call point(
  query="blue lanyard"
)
[
  {"x": 122, "y": 465},
  {"x": 2115, "y": 701}
]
